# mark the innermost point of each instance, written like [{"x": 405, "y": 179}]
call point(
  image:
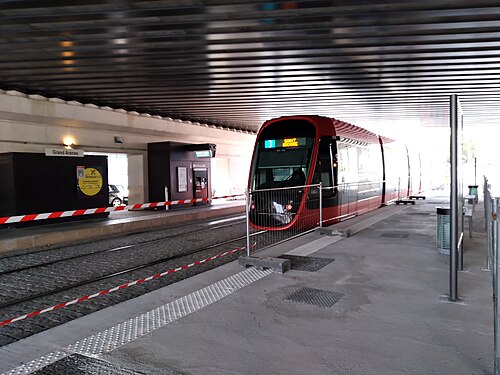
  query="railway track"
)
[
  {"x": 59, "y": 256},
  {"x": 49, "y": 282},
  {"x": 121, "y": 272}
]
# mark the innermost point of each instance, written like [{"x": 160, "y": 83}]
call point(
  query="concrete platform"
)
[
  {"x": 119, "y": 222},
  {"x": 376, "y": 306}
]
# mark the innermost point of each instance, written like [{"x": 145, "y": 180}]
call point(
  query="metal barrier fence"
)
[
  {"x": 278, "y": 215},
  {"x": 492, "y": 212}
]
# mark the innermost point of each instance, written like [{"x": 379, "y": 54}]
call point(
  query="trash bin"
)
[
  {"x": 443, "y": 230},
  {"x": 473, "y": 191}
]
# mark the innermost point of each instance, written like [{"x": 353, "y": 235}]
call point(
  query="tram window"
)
[
  {"x": 369, "y": 163},
  {"x": 278, "y": 167},
  {"x": 282, "y": 157}
]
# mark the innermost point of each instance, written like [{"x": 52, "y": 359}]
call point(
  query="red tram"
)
[{"x": 359, "y": 172}]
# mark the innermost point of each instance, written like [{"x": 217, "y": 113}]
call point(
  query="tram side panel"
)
[
  {"x": 370, "y": 178},
  {"x": 360, "y": 169},
  {"x": 326, "y": 172},
  {"x": 396, "y": 172},
  {"x": 415, "y": 172}
]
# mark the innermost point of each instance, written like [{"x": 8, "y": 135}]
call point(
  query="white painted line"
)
[{"x": 226, "y": 220}]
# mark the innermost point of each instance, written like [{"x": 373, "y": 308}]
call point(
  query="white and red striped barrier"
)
[
  {"x": 92, "y": 211},
  {"x": 101, "y": 293}
]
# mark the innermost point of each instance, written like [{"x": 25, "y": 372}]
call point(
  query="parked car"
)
[{"x": 117, "y": 195}]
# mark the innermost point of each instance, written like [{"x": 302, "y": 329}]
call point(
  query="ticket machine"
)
[{"x": 200, "y": 179}]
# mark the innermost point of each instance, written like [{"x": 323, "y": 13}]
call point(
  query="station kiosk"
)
[{"x": 181, "y": 169}]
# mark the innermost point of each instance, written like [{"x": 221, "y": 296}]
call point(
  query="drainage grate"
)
[
  {"x": 317, "y": 297},
  {"x": 309, "y": 264},
  {"x": 394, "y": 235}
]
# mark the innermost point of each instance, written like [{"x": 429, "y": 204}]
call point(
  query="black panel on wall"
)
[
  {"x": 38, "y": 183},
  {"x": 158, "y": 170}
]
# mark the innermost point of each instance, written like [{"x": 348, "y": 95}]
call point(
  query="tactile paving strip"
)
[
  {"x": 123, "y": 333},
  {"x": 317, "y": 297},
  {"x": 310, "y": 264}
]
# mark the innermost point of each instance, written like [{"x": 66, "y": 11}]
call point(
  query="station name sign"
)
[{"x": 64, "y": 152}]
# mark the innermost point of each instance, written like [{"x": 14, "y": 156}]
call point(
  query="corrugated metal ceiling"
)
[{"x": 238, "y": 63}]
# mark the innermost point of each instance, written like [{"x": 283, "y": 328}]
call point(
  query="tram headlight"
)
[{"x": 288, "y": 207}]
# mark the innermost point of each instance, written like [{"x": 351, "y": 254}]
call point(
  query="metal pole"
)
[
  {"x": 475, "y": 169},
  {"x": 247, "y": 213},
  {"x": 453, "y": 198},
  {"x": 488, "y": 204},
  {"x": 461, "y": 252},
  {"x": 166, "y": 197},
  {"x": 320, "y": 205},
  {"x": 496, "y": 282},
  {"x": 486, "y": 199},
  {"x": 493, "y": 234}
]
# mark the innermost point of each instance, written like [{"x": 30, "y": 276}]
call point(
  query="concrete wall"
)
[{"x": 33, "y": 123}]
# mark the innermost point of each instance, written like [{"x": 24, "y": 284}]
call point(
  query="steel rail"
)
[
  {"x": 128, "y": 270},
  {"x": 104, "y": 251}
]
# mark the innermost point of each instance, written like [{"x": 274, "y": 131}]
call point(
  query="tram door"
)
[
  {"x": 200, "y": 182},
  {"x": 347, "y": 180}
]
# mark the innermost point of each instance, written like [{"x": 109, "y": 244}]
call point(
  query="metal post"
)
[
  {"x": 496, "y": 282},
  {"x": 247, "y": 213},
  {"x": 320, "y": 205},
  {"x": 475, "y": 170},
  {"x": 453, "y": 199},
  {"x": 461, "y": 252},
  {"x": 493, "y": 236},
  {"x": 485, "y": 203},
  {"x": 166, "y": 197},
  {"x": 488, "y": 204}
]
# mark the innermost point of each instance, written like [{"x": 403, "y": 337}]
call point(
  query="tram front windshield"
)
[{"x": 282, "y": 162}]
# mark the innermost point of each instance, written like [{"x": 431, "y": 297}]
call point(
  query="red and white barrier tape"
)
[
  {"x": 85, "y": 298},
  {"x": 91, "y": 211}
]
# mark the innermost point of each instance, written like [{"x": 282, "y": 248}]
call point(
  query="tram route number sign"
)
[{"x": 285, "y": 142}]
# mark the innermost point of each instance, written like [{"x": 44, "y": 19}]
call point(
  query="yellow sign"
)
[
  {"x": 290, "y": 142},
  {"x": 91, "y": 184}
]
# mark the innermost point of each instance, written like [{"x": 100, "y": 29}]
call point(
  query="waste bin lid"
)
[{"x": 442, "y": 210}]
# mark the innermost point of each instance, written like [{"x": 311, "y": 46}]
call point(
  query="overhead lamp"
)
[{"x": 69, "y": 142}]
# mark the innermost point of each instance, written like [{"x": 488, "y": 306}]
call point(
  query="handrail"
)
[{"x": 343, "y": 184}]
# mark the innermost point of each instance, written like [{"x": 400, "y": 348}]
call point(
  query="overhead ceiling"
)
[{"x": 236, "y": 63}]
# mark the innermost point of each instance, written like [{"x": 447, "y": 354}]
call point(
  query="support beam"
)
[{"x": 456, "y": 202}]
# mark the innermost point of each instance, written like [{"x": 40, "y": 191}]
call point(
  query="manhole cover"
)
[
  {"x": 309, "y": 264},
  {"x": 394, "y": 235},
  {"x": 317, "y": 297}
]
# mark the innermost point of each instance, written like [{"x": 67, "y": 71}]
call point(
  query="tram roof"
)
[{"x": 237, "y": 63}]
